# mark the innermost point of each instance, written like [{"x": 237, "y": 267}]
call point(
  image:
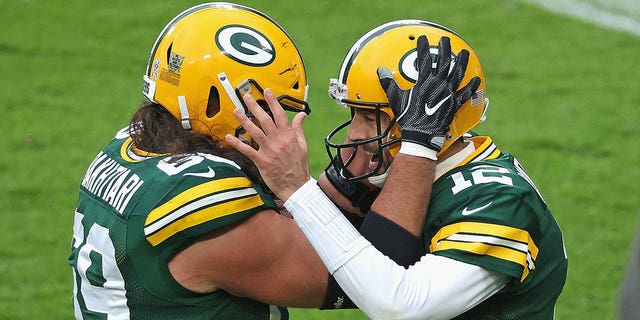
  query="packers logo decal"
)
[
  {"x": 409, "y": 69},
  {"x": 245, "y": 45}
]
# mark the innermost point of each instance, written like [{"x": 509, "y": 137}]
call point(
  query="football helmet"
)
[
  {"x": 393, "y": 45},
  {"x": 209, "y": 56}
]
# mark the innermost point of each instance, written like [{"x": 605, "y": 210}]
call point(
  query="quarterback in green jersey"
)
[
  {"x": 172, "y": 223},
  {"x": 491, "y": 247}
]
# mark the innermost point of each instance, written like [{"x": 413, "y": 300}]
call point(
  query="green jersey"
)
[
  {"x": 135, "y": 212},
  {"x": 487, "y": 212}
]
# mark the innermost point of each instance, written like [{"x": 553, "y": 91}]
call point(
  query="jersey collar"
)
[
  {"x": 479, "y": 148},
  {"x": 129, "y": 152}
]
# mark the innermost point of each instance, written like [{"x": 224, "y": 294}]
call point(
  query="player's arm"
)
[
  {"x": 354, "y": 199},
  {"x": 433, "y": 288},
  {"x": 266, "y": 258}
]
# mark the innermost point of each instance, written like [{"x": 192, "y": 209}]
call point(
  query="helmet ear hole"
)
[
  {"x": 296, "y": 85},
  {"x": 213, "y": 103},
  {"x": 169, "y": 52},
  {"x": 263, "y": 104}
]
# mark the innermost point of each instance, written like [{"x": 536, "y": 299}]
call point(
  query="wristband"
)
[{"x": 417, "y": 150}]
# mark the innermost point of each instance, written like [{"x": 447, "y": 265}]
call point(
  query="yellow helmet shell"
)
[
  {"x": 203, "y": 57},
  {"x": 393, "y": 45}
]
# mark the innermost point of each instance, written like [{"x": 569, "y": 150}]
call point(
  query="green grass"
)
[{"x": 564, "y": 100}]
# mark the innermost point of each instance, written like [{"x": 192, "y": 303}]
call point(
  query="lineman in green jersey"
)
[
  {"x": 171, "y": 222},
  {"x": 135, "y": 212},
  {"x": 492, "y": 249}
]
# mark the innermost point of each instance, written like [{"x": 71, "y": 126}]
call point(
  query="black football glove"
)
[{"x": 425, "y": 111}]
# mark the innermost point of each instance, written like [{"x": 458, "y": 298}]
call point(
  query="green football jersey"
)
[
  {"x": 135, "y": 212},
  {"x": 487, "y": 212}
]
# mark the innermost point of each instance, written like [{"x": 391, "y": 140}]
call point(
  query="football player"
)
[
  {"x": 172, "y": 223},
  {"x": 492, "y": 249}
]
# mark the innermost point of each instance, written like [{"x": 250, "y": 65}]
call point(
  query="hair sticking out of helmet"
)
[
  {"x": 393, "y": 45},
  {"x": 211, "y": 54}
]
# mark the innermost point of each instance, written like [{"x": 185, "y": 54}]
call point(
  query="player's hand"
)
[
  {"x": 282, "y": 157},
  {"x": 425, "y": 111}
]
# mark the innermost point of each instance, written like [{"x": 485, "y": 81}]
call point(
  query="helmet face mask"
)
[
  {"x": 288, "y": 103},
  {"x": 210, "y": 55},
  {"x": 382, "y": 139},
  {"x": 393, "y": 45}
]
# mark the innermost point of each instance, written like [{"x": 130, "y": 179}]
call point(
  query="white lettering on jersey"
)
[
  {"x": 481, "y": 174},
  {"x": 108, "y": 298},
  {"x": 111, "y": 182}
]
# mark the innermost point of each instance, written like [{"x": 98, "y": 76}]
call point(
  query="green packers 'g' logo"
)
[
  {"x": 408, "y": 66},
  {"x": 245, "y": 45}
]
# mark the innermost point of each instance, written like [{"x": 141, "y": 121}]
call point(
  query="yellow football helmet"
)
[
  {"x": 393, "y": 45},
  {"x": 212, "y": 54}
]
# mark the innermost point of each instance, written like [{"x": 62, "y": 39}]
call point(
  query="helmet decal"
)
[
  {"x": 156, "y": 67},
  {"x": 407, "y": 66},
  {"x": 409, "y": 69},
  {"x": 175, "y": 62},
  {"x": 245, "y": 45}
]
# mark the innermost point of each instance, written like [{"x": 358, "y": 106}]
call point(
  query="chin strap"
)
[
  {"x": 380, "y": 179},
  {"x": 356, "y": 192},
  {"x": 228, "y": 88},
  {"x": 184, "y": 113}
]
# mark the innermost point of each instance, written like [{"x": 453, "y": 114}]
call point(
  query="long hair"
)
[{"x": 154, "y": 129}]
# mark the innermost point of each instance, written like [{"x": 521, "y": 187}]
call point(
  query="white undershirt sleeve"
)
[
  {"x": 322, "y": 223},
  {"x": 435, "y": 287}
]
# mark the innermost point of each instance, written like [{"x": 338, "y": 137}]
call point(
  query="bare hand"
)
[{"x": 282, "y": 156}]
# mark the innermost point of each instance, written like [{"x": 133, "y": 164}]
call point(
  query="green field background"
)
[{"x": 564, "y": 97}]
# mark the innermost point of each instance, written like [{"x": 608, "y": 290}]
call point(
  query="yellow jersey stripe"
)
[
  {"x": 197, "y": 205},
  {"x": 196, "y": 192},
  {"x": 508, "y": 243},
  {"x": 489, "y": 229},
  {"x": 484, "y": 149},
  {"x": 494, "y": 154},
  {"x": 499, "y": 252},
  {"x": 204, "y": 215}
]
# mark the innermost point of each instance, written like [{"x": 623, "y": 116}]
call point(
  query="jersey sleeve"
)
[
  {"x": 209, "y": 195},
  {"x": 492, "y": 225}
]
